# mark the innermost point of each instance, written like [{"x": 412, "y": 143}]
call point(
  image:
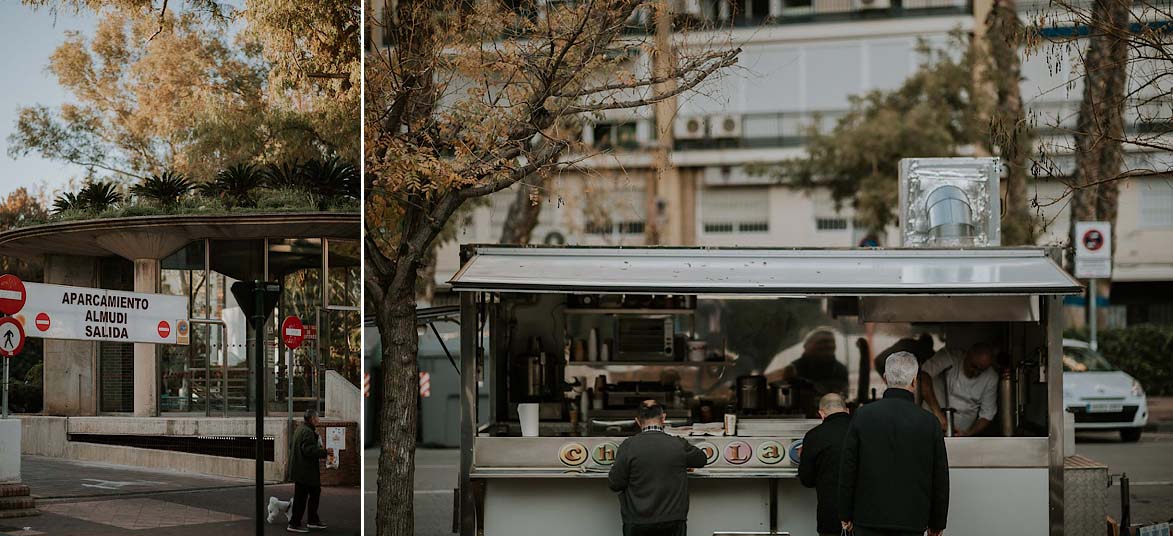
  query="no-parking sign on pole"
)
[{"x": 1093, "y": 260}]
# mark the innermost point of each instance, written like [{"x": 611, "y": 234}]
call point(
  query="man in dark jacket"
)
[
  {"x": 650, "y": 473},
  {"x": 894, "y": 477},
  {"x": 819, "y": 465},
  {"x": 305, "y": 452}
]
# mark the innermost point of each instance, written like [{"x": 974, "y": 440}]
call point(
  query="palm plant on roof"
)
[
  {"x": 65, "y": 202},
  {"x": 99, "y": 196},
  {"x": 331, "y": 179},
  {"x": 167, "y": 189},
  {"x": 236, "y": 185},
  {"x": 285, "y": 175}
]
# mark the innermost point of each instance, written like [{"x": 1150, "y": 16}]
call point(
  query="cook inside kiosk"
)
[{"x": 964, "y": 382}]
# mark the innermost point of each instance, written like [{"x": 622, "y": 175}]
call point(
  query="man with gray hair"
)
[
  {"x": 818, "y": 467},
  {"x": 304, "y": 453},
  {"x": 894, "y": 477}
]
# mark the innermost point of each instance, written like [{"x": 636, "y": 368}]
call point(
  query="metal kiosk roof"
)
[{"x": 763, "y": 272}]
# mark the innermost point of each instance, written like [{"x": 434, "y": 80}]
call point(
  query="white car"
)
[{"x": 1101, "y": 396}]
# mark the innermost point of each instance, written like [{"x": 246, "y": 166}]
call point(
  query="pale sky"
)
[{"x": 28, "y": 37}]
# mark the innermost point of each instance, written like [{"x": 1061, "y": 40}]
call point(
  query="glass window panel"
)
[
  {"x": 232, "y": 261},
  {"x": 342, "y": 344},
  {"x": 115, "y": 359},
  {"x": 297, "y": 264},
  {"x": 345, "y": 279}
]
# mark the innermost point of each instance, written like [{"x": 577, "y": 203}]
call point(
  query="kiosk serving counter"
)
[{"x": 628, "y": 319}]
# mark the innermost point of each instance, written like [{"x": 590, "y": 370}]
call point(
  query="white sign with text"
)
[{"x": 94, "y": 314}]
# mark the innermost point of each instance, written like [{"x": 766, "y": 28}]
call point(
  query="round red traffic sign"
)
[
  {"x": 12, "y": 294},
  {"x": 292, "y": 332},
  {"x": 42, "y": 322},
  {"x": 164, "y": 329},
  {"x": 1093, "y": 239},
  {"x": 11, "y": 337}
]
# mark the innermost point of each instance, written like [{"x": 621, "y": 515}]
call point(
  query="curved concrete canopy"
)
[{"x": 155, "y": 237}]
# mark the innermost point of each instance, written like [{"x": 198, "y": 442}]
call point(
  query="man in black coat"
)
[
  {"x": 650, "y": 473},
  {"x": 304, "y": 454},
  {"x": 894, "y": 477},
  {"x": 819, "y": 465}
]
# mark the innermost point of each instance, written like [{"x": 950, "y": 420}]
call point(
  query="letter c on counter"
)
[{"x": 572, "y": 454}]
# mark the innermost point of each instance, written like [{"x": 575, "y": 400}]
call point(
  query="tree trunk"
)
[
  {"x": 1100, "y": 127},
  {"x": 1010, "y": 130},
  {"x": 523, "y": 215},
  {"x": 396, "y": 321}
]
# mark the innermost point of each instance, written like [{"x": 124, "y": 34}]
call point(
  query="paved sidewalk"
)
[
  {"x": 82, "y": 499},
  {"x": 51, "y": 478}
]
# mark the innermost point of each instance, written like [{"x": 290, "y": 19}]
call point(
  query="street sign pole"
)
[
  {"x": 257, "y": 299},
  {"x": 1093, "y": 261},
  {"x": 259, "y": 347},
  {"x": 1093, "y": 318},
  {"x": 289, "y": 398},
  {"x": 6, "y": 360},
  {"x": 292, "y": 333}
]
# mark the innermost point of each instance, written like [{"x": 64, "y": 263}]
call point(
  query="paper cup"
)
[{"x": 528, "y": 413}]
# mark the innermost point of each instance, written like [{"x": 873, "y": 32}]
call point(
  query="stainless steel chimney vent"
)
[{"x": 949, "y": 202}]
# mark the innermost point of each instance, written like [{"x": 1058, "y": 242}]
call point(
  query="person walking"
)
[
  {"x": 304, "y": 454},
  {"x": 894, "y": 475},
  {"x": 819, "y": 465},
  {"x": 650, "y": 473}
]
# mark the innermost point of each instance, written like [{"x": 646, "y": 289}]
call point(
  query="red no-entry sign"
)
[
  {"x": 11, "y": 337},
  {"x": 164, "y": 329},
  {"x": 12, "y": 294},
  {"x": 292, "y": 332},
  {"x": 42, "y": 322}
]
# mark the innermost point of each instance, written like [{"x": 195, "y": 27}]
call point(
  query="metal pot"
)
[
  {"x": 751, "y": 393},
  {"x": 782, "y": 398}
]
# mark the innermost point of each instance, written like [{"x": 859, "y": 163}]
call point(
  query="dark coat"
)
[
  {"x": 894, "y": 473},
  {"x": 304, "y": 455},
  {"x": 819, "y": 467},
  {"x": 650, "y": 473}
]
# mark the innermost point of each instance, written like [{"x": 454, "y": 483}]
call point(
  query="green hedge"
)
[{"x": 1144, "y": 351}]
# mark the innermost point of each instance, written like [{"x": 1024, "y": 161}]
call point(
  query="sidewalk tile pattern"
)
[{"x": 139, "y": 514}]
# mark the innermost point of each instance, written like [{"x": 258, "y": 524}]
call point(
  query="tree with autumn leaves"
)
[
  {"x": 465, "y": 100},
  {"x": 198, "y": 86}
]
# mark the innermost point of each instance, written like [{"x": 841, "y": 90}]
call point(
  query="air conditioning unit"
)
[
  {"x": 725, "y": 126},
  {"x": 689, "y": 128},
  {"x": 861, "y": 5}
]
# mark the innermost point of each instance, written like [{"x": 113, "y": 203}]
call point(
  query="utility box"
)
[{"x": 1085, "y": 485}]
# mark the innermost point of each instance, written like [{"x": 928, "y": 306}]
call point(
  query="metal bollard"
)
[{"x": 1125, "y": 507}]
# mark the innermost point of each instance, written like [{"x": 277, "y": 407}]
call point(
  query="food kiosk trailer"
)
[{"x": 580, "y": 335}]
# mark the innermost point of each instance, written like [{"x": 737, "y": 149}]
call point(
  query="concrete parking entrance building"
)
[{"x": 108, "y": 400}]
